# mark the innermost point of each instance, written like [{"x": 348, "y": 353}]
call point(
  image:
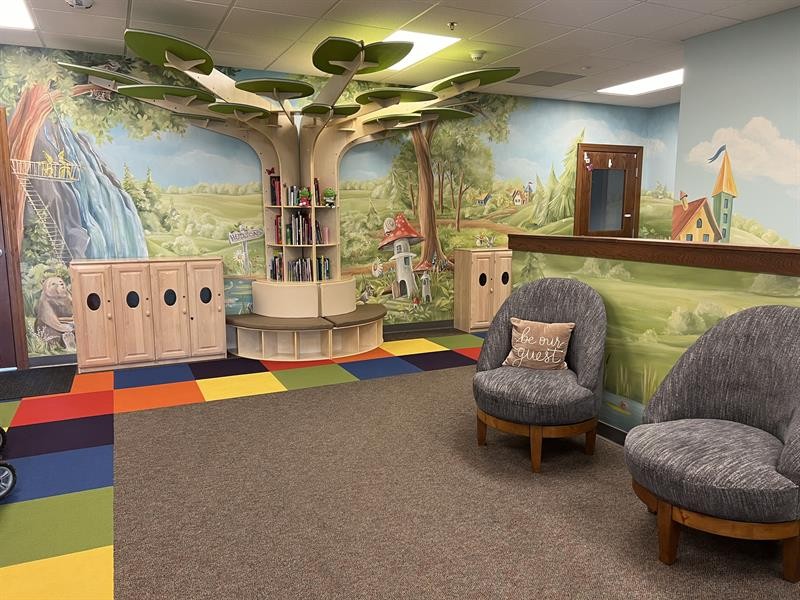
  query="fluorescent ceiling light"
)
[
  {"x": 15, "y": 15},
  {"x": 425, "y": 44},
  {"x": 647, "y": 85}
]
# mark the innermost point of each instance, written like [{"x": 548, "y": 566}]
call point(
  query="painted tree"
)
[
  {"x": 562, "y": 202},
  {"x": 36, "y": 87}
]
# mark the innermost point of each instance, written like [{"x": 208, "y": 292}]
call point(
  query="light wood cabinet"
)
[
  {"x": 93, "y": 307},
  {"x": 482, "y": 284},
  {"x": 134, "y": 312},
  {"x": 171, "y": 310},
  {"x": 140, "y": 312},
  {"x": 206, "y": 308}
]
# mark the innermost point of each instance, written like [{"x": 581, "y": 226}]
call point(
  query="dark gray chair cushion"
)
[
  {"x": 533, "y": 397},
  {"x": 554, "y": 300},
  {"x": 715, "y": 467},
  {"x": 744, "y": 369}
]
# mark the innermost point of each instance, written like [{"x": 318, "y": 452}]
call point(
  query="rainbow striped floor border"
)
[{"x": 57, "y": 526}]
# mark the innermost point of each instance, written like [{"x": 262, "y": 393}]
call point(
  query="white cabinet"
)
[
  {"x": 482, "y": 284},
  {"x": 138, "y": 312}
]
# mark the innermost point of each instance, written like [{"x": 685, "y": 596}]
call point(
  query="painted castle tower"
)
[
  {"x": 722, "y": 196},
  {"x": 399, "y": 236}
]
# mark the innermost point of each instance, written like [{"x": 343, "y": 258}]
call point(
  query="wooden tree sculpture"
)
[{"x": 306, "y": 144}]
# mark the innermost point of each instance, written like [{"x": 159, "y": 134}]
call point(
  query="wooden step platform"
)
[{"x": 307, "y": 338}]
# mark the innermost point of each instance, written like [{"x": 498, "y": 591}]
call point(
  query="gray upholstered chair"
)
[
  {"x": 720, "y": 447},
  {"x": 544, "y": 404}
]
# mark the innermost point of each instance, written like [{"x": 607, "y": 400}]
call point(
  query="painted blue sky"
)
[
  {"x": 197, "y": 156},
  {"x": 749, "y": 102},
  {"x": 541, "y": 133}
]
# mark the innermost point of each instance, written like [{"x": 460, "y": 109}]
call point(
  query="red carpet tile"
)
[
  {"x": 473, "y": 353},
  {"x": 60, "y": 407}
]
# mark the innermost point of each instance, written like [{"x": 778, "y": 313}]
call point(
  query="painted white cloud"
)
[
  {"x": 520, "y": 167},
  {"x": 755, "y": 150},
  {"x": 599, "y": 132}
]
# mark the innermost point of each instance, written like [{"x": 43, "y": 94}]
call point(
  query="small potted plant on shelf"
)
[
  {"x": 329, "y": 196},
  {"x": 305, "y": 197}
]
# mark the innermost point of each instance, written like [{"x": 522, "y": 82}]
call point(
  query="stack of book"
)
[
  {"x": 275, "y": 267},
  {"x": 298, "y": 231},
  {"x": 322, "y": 233},
  {"x": 300, "y": 269},
  {"x": 323, "y": 268}
]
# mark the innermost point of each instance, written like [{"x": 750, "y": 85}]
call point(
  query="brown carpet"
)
[{"x": 377, "y": 489}]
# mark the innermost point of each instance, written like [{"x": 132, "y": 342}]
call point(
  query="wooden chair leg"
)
[
  {"x": 536, "y": 448},
  {"x": 481, "y": 432},
  {"x": 591, "y": 438},
  {"x": 668, "y": 533},
  {"x": 791, "y": 559}
]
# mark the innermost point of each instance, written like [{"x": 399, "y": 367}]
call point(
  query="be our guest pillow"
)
[{"x": 536, "y": 345}]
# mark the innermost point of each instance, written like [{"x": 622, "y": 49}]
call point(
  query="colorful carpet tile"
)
[{"x": 57, "y": 526}]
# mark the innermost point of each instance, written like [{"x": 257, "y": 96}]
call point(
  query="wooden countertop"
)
[{"x": 774, "y": 260}]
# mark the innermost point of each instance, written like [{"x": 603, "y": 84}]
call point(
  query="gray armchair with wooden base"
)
[
  {"x": 720, "y": 447},
  {"x": 544, "y": 404}
]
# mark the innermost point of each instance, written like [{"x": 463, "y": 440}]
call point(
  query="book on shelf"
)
[
  {"x": 298, "y": 230},
  {"x": 323, "y": 268},
  {"x": 300, "y": 269},
  {"x": 276, "y": 267},
  {"x": 278, "y": 230},
  {"x": 275, "y": 190},
  {"x": 321, "y": 233},
  {"x": 317, "y": 197}
]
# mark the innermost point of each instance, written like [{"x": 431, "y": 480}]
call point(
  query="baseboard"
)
[
  {"x": 421, "y": 326},
  {"x": 611, "y": 433},
  {"x": 56, "y": 360}
]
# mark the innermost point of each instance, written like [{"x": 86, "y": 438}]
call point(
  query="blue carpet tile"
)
[{"x": 380, "y": 367}]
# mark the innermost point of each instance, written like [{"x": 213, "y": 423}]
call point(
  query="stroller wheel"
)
[{"x": 8, "y": 478}]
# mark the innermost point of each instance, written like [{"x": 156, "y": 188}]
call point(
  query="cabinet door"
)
[
  {"x": 206, "y": 308},
  {"x": 501, "y": 280},
  {"x": 481, "y": 300},
  {"x": 134, "y": 319},
  {"x": 94, "y": 315},
  {"x": 170, "y": 310}
]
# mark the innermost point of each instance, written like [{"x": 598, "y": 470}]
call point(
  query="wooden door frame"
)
[
  {"x": 12, "y": 247},
  {"x": 612, "y": 148}
]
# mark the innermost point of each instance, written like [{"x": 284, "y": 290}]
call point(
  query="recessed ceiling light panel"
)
[
  {"x": 425, "y": 44},
  {"x": 15, "y": 15},
  {"x": 648, "y": 84}
]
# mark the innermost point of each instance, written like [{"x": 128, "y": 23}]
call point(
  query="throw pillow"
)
[{"x": 536, "y": 345}]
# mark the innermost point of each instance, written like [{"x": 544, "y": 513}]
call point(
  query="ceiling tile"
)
[
  {"x": 178, "y": 12},
  {"x": 536, "y": 59},
  {"x": 667, "y": 62},
  {"x": 632, "y": 72},
  {"x": 265, "y": 24},
  {"x": 296, "y": 59},
  {"x": 301, "y": 8},
  {"x": 85, "y": 44},
  {"x": 556, "y": 93},
  {"x": 640, "y": 50},
  {"x": 508, "y": 8},
  {"x": 19, "y": 37},
  {"x": 579, "y": 41},
  {"x": 576, "y": 12},
  {"x": 589, "y": 83},
  {"x": 241, "y": 61},
  {"x": 521, "y": 32},
  {"x": 468, "y": 22},
  {"x": 461, "y": 51},
  {"x": 265, "y": 49},
  {"x": 389, "y": 15},
  {"x": 428, "y": 70},
  {"x": 323, "y": 29},
  {"x": 642, "y": 19},
  {"x": 702, "y": 6},
  {"x": 684, "y": 31},
  {"x": 105, "y": 8},
  {"x": 79, "y": 23},
  {"x": 588, "y": 64},
  {"x": 753, "y": 9},
  {"x": 197, "y": 36}
]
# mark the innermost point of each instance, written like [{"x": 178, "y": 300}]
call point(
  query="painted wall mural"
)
[
  {"x": 655, "y": 312},
  {"x": 740, "y": 118},
  {"x": 103, "y": 176},
  {"x": 471, "y": 183}
]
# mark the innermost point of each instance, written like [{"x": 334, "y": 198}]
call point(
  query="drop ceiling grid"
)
[{"x": 616, "y": 39}]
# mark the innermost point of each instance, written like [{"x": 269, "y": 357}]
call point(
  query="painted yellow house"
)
[{"x": 694, "y": 222}]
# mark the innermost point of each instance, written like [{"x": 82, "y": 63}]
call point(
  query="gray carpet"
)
[{"x": 377, "y": 489}]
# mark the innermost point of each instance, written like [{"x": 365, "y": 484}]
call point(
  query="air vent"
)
[{"x": 546, "y": 78}]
